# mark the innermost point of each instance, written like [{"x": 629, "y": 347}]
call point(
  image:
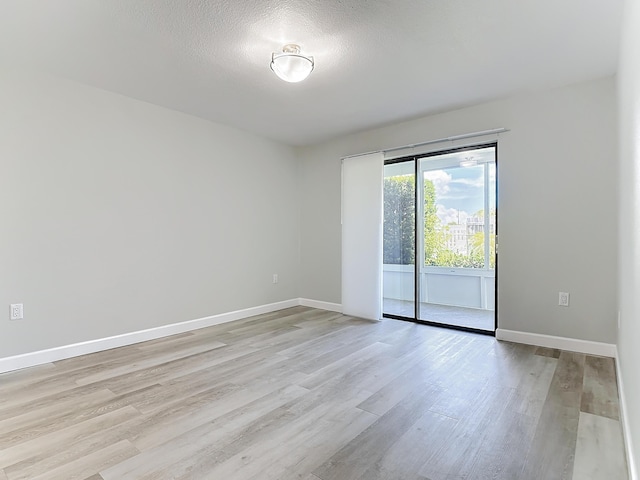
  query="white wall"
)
[
  {"x": 118, "y": 216},
  {"x": 557, "y": 205},
  {"x": 629, "y": 233}
]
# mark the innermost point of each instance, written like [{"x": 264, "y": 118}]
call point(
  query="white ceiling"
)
[{"x": 377, "y": 61}]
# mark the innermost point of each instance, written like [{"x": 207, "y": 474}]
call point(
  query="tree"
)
[
  {"x": 434, "y": 238},
  {"x": 476, "y": 242},
  {"x": 399, "y": 229},
  {"x": 399, "y": 220},
  {"x": 477, "y": 250}
]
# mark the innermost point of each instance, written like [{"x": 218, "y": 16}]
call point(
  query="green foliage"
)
[
  {"x": 448, "y": 258},
  {"x": 399, "y": 229},
  {"x": 434, "y": 238},
  {"x": 399, "y": 220},
  {"x": 477, "y": 249}
]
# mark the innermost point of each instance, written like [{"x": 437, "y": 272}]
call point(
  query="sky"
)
[{"x": 459, "y": 190}]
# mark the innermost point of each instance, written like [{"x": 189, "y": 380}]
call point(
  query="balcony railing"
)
[{"x": 461, "y": 287}]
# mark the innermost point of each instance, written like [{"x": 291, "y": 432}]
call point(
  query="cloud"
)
[
  {"x": 451, "y": 215},
  {"x": 441, "y": 181},
  {"x": 472, "y": 182}
]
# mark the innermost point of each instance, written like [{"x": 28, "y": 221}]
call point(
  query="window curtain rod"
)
[{"x": 439, "y": 140}]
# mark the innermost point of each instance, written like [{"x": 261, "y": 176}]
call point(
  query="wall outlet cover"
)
[
  {"x": 16, "y": 311},
  {"x": 563, "y": 299}
]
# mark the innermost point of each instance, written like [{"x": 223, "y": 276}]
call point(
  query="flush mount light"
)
[
  {"x": 468, "y": 162},
  {"x": 291, "y": 65}
]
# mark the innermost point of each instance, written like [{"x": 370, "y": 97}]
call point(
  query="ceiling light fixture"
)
[
  {"x": 468, "y": 162},
  {"x": 291, "y": 65}
]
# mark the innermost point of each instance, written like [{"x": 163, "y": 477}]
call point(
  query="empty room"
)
[{"x": 319, "y": 240}]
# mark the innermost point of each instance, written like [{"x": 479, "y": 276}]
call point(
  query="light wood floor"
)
[{"x": 313, "y": 395}]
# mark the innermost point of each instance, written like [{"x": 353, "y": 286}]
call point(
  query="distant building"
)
[
  {"x": 457, "y": 239},
  {"x": 476, "y": 224}
]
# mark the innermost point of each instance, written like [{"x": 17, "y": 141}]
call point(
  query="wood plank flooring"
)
[{"x": 313, "y": 395}]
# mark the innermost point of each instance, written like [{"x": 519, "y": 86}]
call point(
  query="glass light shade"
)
[
  {"x": 290, "y": 65},
  {"x": 468, "y": 162}
]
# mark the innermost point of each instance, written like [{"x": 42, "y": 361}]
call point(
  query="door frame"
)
[{"x": 418, "y": 248}]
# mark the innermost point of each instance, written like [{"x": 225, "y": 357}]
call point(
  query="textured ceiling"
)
[{"x": 377, "y": 61}]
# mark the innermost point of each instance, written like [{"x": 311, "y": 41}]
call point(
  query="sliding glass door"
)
[{"x": 451, "y": 263}]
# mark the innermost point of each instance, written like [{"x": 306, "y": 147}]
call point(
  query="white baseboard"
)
[
  {"x": 332, "y": 307},
  {"x": 31, "y": 359},
  {"x": 626, "y": 428},
  {"x": 563, "y": 343}
]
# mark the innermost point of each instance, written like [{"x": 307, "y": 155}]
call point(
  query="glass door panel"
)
[
  {"x": 399, "y": 240},
  {"x": 457, "y": 208}
]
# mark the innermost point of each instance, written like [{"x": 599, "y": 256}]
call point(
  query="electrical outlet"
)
[
  {"x": 275, "y": 278},
  {"x": 563, "y": 299},
  {"x": 17, "y": 311}
]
